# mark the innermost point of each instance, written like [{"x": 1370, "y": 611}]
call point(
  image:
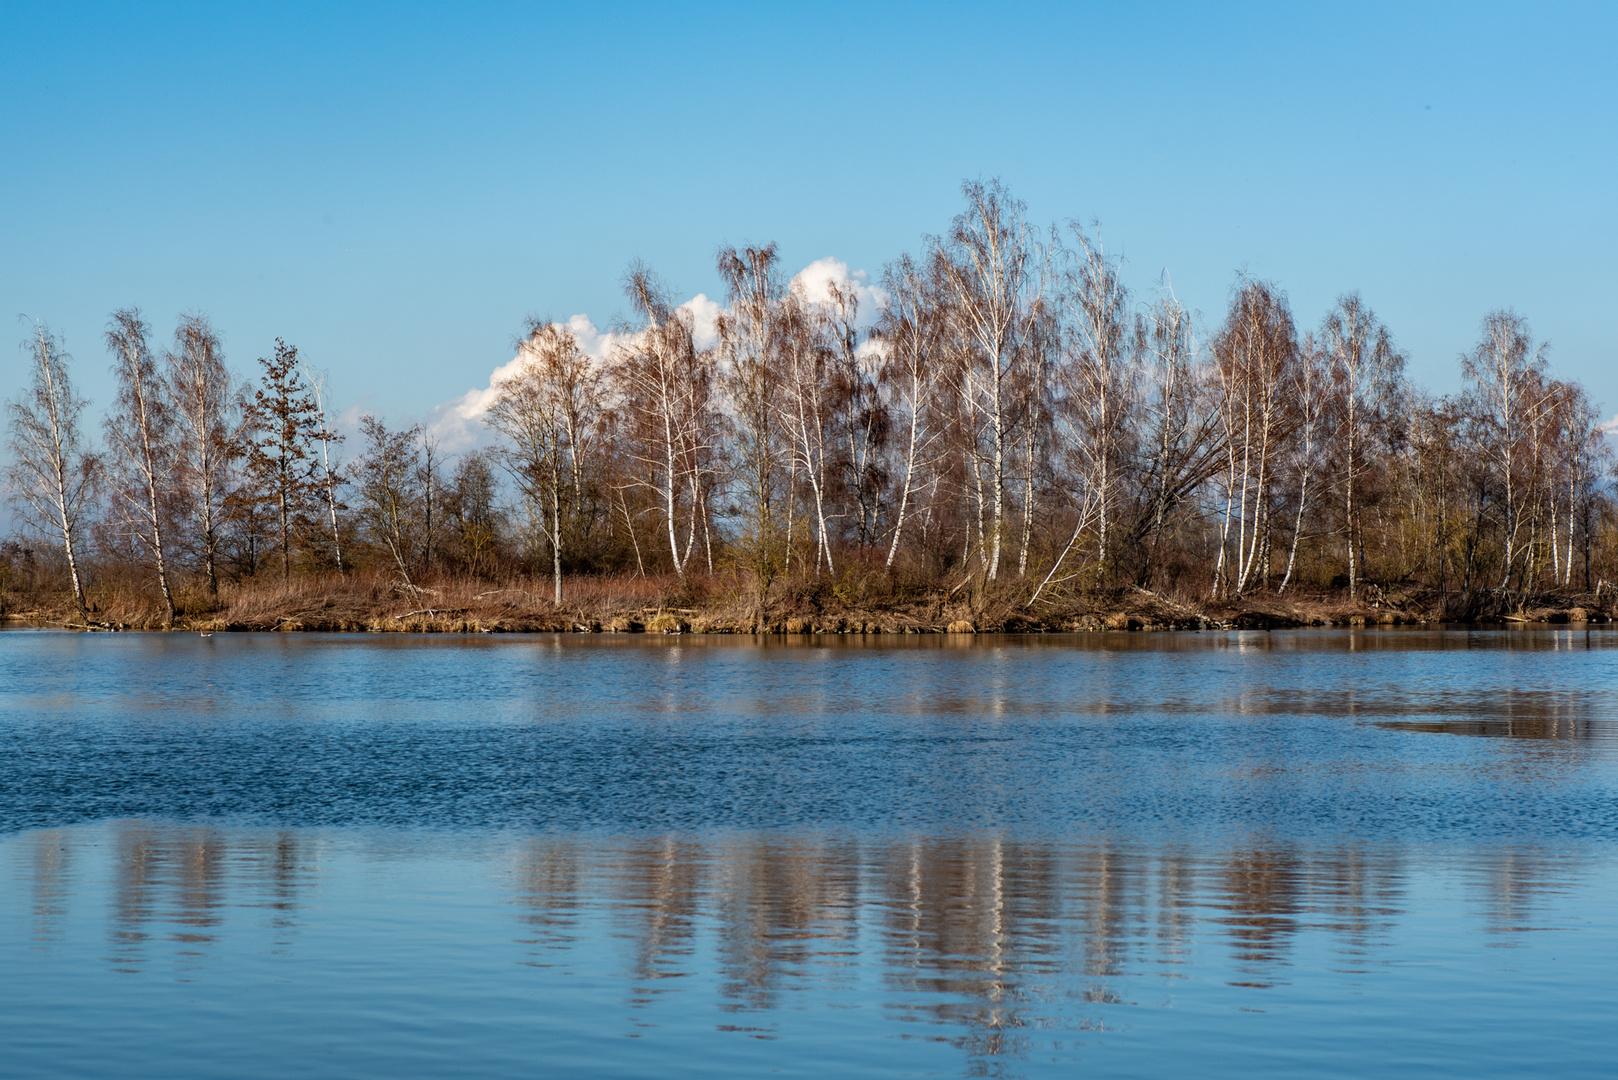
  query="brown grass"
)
[{"x": 861, "y": 599}]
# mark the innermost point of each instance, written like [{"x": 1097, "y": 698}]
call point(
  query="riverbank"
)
[{"x": 721, "y": 605}]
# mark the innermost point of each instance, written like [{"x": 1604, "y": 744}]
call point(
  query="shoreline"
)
[
  {"x": 874, "y": 605},
  {"x": 674, "y": 623}
]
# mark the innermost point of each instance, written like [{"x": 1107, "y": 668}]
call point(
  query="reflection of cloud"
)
[{"x": 458, "y": 423}]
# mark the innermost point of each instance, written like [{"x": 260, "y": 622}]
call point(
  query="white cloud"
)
[
  {"x": 593, "y": 341},
  {"x": 458, "y": 423},
  {"x": 347, "y": 422},
  {"x": 871, "y": 353},
  {"x": 1610, "y": 431},
  {"x": 814, "y": 283},
  {"x": 704, "y": 320}
]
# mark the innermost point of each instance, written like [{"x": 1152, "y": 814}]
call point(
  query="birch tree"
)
[
  {"x": 1505, "y": 373},
  {"x": 548, "y": 412},
  {"x": 1180, "y": 438},
  {"x": 1311, "y": 384},
  {"x": 808, "y": 410},
  {"x": 1254, "y": 354},
  {"x": 1099, "y": 375},
  {"x": 329, "y": 478},
  {"x": 139, "y": 430},
  {"x": 387, "y": 475},
  {"x": 989, "y": 267},
  {"x": 1365, "y": 373},
  {"x": 665, "y": 389},
  {"x": 52, "y": 474},
  {"x": 201, "y": 392},
  {"x": 907, "y": 335},
  {"x": 1585, "y": 459},
  {"x": 752, "y": 338}
]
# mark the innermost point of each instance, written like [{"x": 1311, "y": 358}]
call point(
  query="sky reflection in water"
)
[{"x": 1210, "y": 853}]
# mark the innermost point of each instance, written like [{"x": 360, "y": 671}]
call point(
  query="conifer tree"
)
[{"x": 283, "y": 425}]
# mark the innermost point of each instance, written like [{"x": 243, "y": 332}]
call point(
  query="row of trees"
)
[
  {"x": 201, "y": 473},
  {"x": 1008, "y": 410},
  {"x": 1011, "y": 404}
]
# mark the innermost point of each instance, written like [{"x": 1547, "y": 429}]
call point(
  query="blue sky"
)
[{"x": 393, "y": 188}]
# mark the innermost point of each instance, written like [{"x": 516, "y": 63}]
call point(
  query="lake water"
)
[{"x": 1342, "y": 853}]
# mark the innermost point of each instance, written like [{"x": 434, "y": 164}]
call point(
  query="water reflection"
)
[
  {"x": 52, "y": 878},
  {"x": 987, "y": 942},
  {"x": 171, "y": 887},
  {"x": 993, "y": 850},
  {"x": 969, "y": 917},
  {"x": 1516, "y": 886},
  {"x": 1124, "y": 734},
  {"x": 654, "y": 889},
  {"x": 1563, "y": 721},
  {"x": 991, "y": 938}
]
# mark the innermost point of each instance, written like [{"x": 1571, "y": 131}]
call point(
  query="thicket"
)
[{"x": 1011, "y": 431}]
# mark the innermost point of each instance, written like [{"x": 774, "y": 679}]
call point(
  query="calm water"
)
[{"x": 1340, "y": 852}]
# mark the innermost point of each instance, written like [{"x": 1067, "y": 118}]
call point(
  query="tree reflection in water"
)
[
  {"x": 173, "y": 885},
  {"x": 983, "y": 941},
  {"x": 987, "y": 937}
]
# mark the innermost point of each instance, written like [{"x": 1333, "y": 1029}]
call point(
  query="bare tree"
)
[
  {"x": 139, "y": 431},
  {"x": 860, "y": 416},
  {"x": 808, "y": 410},
  {"x": 1505, "y": 373},
  {"x": 1310, "y": 395},
  {"x": 1254, "y": 352},
  {"x": 200, "y": 389},
  {"x": 387, "y": 475},
  {"x": 52, "y": 474},
  {"x": 1586, "y": 457},
  {"x": 989, "y": 267},
  {"x": 431, "y": 485},
  {"x": 548, "y": 411},
  {"x": 1432, "y": 477},
  {"x": 752, "y": 338},
  {"x": 1180, "y": 436},
  {"x": 477, "y": 517},
  {"x": 908, "y": 337},
  {"x": 1099, "y": 373},
  {"x": 665, "y": 388},
  {"x": 1365, "y": 373},
  {"x": 330, "y": 479}
]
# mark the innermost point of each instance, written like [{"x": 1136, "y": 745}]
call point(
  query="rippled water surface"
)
[{"x": 1336, "y": 852}]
